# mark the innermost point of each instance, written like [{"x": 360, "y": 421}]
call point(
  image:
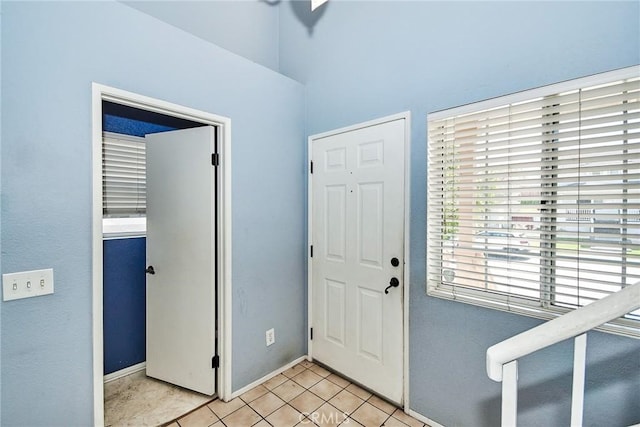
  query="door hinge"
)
[
  {"x": 311, "y": 248},
  {"x": 215, "y": 159},
  {"x": 215, "y": 362},
  {"x": 311, "y": 167},
  {"x": 311, "y": 334}
]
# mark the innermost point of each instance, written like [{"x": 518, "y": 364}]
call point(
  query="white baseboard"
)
[
  {"x": 124, "y": 372},
  {"x": 424, "y": 419},
  {"x": 268, "y": 377}
]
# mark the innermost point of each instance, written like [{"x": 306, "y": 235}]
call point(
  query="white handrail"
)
[{"x": 561, "y": 328}]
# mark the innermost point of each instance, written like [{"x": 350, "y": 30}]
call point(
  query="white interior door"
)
[
  {"x": 357, "y": 231},
  {"x": 181, "y": 250}
]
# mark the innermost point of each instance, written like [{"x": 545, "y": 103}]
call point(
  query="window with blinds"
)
[
  {"x": 123, "y": 176},
  {"x": 534, "y": 198}
]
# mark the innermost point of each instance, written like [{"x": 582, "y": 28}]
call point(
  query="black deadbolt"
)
[
  {"x": 150, "y": 270},
  {"x": 395, "y": 262}
]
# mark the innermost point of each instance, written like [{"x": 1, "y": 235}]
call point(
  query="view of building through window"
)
[{"x": 536, "y": 202}]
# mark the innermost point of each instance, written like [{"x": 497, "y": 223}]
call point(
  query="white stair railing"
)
[{"x": 502, "y": 358}]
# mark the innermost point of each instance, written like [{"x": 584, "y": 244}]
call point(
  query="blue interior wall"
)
[
  {"x": 124, "y": 315},
  {"x": 247, "y": 28},
  {"x": 118, "y": 118},
  {"x": 365, "y": 59},
  {"x": 1, "y": 201},
  {"x": 51, "y": 52},
  {"x": 362, "y": 60},
  {"x": 111, "y": 123}
]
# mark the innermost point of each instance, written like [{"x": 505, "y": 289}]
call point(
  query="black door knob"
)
[
  {"x": 393, "y": 283},
  {"x": 150, "y": 270},
  {"x": 395, "y": 261}
]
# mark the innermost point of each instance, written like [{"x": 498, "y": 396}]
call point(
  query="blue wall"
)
[
  {"x": 361, "y": 60},
  {"x": 248, "y": 28},
  {"x": 51, "y": 52},
  {"x": 124, "y": 303},
  {"x": 0, "y": 203},
  {"x": 367, "y": 59}
]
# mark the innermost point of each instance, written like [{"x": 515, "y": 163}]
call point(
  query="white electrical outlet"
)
[
  {"x": 27, "y": 284},
  {"x": 271, "y": 337}
]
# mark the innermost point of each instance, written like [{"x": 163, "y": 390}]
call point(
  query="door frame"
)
[
  {"x": 105, "y": 93},
  {"x": 406, "y": 116}
]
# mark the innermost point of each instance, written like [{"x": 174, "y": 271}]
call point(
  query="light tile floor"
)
[
  {"x": 137, "y": 400},
  {"x": 305, "y": 395}
]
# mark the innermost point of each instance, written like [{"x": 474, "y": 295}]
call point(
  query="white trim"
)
[
  {"x": 100, "y": 93},
  {"x": 122, "y": 236},
  {"x": 593, "y": 80},
  {"x": 267, "y": 377},
  {"x": 406, "y": 116},
  {"x": 96, "y": 254},
  {"x": 624, "y": 327},
  {"x": 422, "y": 418},
  {"x": 309, "y": 243},
  {"x": 382, "y": 120},
  {"x": 114, "y": 228},
  {"x": 124, "y": 372},
  {"x": 407, "y": 255},
  {"x": 225, "y": 267}
]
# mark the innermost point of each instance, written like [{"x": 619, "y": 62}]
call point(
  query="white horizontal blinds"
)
[
  {"x": 602, "y": 212},
  {"x": 123, "y": 176},
  {"x": 537, "y": 202}
]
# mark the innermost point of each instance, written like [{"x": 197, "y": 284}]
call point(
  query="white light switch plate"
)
[{"x": 27, "y": 284}]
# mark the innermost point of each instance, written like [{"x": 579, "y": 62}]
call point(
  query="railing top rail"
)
[{"x": 561, "y": 328}]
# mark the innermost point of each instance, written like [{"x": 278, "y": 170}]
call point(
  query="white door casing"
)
[
  {"x": 358, "y": 225},
  {"x": 181, "y": 306}
]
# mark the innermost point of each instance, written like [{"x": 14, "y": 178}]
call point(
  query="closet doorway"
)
[{"x": 205, "y": 331}]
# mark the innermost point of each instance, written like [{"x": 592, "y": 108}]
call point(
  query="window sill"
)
[
  {"x": 621, "y": 326},
  {"x": 118, "y": 228}
]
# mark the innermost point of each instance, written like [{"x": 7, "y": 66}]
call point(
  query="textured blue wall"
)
[
  {"x": 1, "y": 202},
  {"x": 124, "y": 303},
  {"x": 248, "y": 28},
  {"x": 126, "y": 126},
  {"x": 51, "y": 52},
  {"x": 362, "y": 60},
  {"x": 367, "y": 59}
]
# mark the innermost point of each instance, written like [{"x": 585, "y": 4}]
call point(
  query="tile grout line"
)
[
  {"x": 305, "y": 389},
  {"x": 342, "y": 388},
  {"x": 176, "y": 420}
]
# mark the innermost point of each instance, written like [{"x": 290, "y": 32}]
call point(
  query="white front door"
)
[
  {"x": 181, "y": 249},
  {"x": 357, "y": 220}
]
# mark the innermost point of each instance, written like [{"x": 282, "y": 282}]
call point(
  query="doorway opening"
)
[{"x": 111, "y": 110}]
